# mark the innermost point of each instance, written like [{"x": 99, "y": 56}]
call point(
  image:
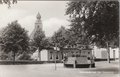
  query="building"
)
[
  {"x": 48, "y": 55},
  {"x": 101, "y": 53},
  {"x": 59, "y": 55},
  {"x": 38, "y": 25},
  {"x": 98, "y": 53}
]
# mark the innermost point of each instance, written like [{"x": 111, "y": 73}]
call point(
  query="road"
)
[{"x": 102, "y": 69}]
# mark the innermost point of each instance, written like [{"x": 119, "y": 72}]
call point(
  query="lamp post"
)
[
  {"x": 92, "y": 55},
  {"x": 55, "y": 55},
  {"x": 93, "y": 51},
  {"x": 56, "y": 49}
]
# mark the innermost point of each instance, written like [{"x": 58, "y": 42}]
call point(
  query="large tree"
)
[
  {"x": 97, "y": 21},
  {"x": 39, "y": 41},
  {"x": 14, "y": 39}
]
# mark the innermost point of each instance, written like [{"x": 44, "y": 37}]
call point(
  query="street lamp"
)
[
  {"x": 92, "y": 54},
  {"x": 56, "y": 49}
]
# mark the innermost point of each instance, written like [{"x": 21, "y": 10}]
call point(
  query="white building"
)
[{"x": 101, "y": 53}]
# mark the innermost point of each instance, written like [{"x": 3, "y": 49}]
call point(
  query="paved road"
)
[{"x": 103, "y": 69}]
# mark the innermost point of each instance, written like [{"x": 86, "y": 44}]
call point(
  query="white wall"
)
[
  {"x": 44, "y": 55},
  {"x": 116, "y": 52},
  {"x": 98, "y": 52}
]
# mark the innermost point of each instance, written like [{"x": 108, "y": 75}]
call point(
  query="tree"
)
[
  {"x": 71, "y": 38},
  {"x": 14, "y": 39},
  {"x": 8, "y": 2},
  {"x": 96, "y": 20},
  {"x": 60, "y": 38},
  {"x": 76, "y": 12},
  {"x": 48, "y": 43},
  {"x": 24, "y": 56},
  {"x": 39, "y": 41}
]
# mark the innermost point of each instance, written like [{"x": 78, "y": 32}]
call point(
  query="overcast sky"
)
[{"x": 52, "y": 15}]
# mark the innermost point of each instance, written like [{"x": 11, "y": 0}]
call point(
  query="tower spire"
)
[
  {"x": 38, "y": 25},
  {"x": 38, "y": 16}
]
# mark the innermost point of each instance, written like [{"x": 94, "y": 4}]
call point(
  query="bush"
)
[{"x": 24, "y": 57}]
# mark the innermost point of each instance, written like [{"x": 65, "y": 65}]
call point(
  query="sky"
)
[{"x": 52, "y": 15}]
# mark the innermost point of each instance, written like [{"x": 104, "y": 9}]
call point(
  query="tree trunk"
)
[
  {"x": 39, "y": 57},
  {"x": 108, "y": 52}
]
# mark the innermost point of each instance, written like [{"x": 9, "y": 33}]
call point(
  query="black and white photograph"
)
[{"x": 59, "y": 38}]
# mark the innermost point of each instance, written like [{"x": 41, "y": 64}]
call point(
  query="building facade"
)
[
  {"x": 48, "y": 55},
  {"x": 52, "y": 55},
  {"x": 101, "y": 53}
]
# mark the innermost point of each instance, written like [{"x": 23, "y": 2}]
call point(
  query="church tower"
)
[{"x": 38, "y": 25}]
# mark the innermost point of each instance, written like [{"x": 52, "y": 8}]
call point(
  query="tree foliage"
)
[
  {"x": 71, "y": 38},
  {"x": 8, "y": 2},
  {"x": 38, "y": 39},
  {"x": 60, "y": 38},
  {"x": 96, "y": 20},
  {"x": 24, "y": 56},
  {"x": 14, "y": 39}
]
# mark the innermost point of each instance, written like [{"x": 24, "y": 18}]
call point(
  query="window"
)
[
  {"x": 88, "y": 58},
  {"x": 51, "y": 55},
  {"x": 62, "y": 55},
  {"x": 113, "y": 50},
  {"x": 56, "y": 55},
  {"x": 88, "y": 52}
]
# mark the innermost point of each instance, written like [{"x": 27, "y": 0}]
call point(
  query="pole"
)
[
  {"x": 93, "y": 52},
  {"x": 91, "y": 61},
  {"x": 55, "y": 56},
  {"x": 55, "y": 61}
]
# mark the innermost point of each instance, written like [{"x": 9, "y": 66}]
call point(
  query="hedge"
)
[{"x": 26, "y": 62}]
